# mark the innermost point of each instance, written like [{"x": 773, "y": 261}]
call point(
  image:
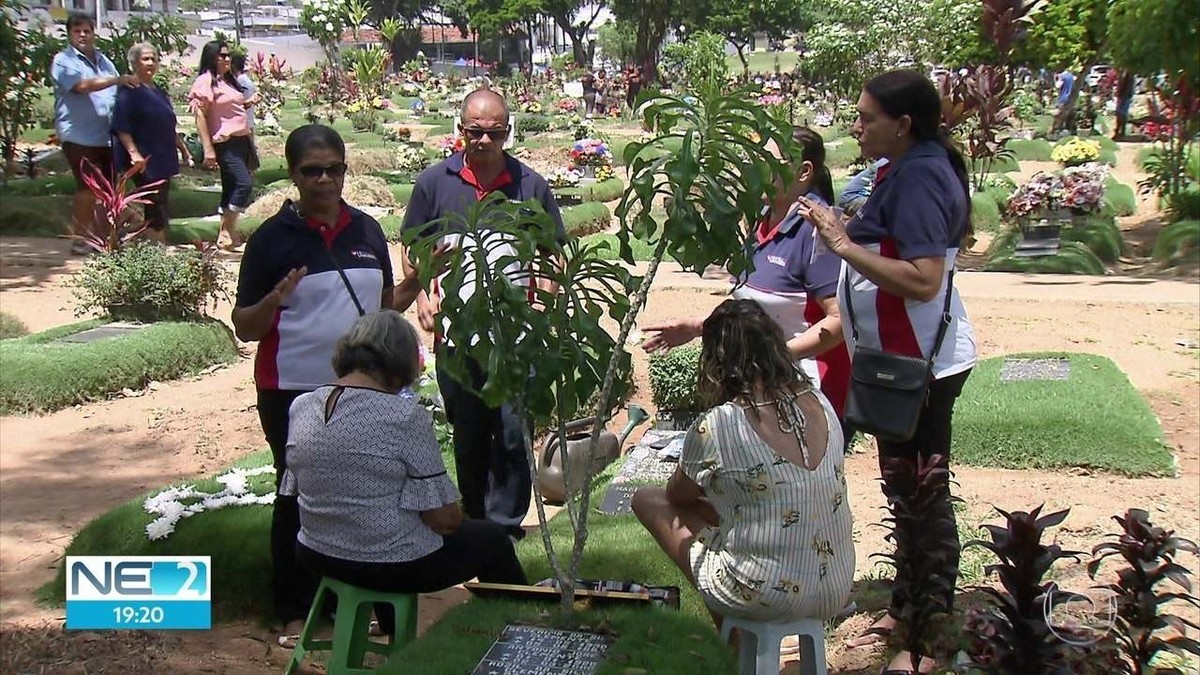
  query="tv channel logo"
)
[{"x": 131, "y": 592}]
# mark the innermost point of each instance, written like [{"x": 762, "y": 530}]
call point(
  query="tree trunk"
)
[{"x": 741, "y": 52}]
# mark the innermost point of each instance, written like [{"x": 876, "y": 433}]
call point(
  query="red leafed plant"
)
[
  {"x": 114, "y": 223},
  {"x": 1144, "y": 626}
]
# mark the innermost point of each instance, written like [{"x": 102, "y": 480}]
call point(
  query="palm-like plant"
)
[{"x": 114, "y": 201}]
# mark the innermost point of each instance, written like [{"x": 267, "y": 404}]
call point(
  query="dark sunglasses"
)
[
  {"x": 222, "y": 56},
  {"x": 333, "y": 170},
  {"x": 494, "y": 134}
]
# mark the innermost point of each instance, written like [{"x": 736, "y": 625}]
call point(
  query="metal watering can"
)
[{"x": 579, "y": 432}]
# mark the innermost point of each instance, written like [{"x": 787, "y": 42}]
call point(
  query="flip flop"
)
[
  {"x": 289, "y": 641},
  {"x": 876, "y": 635}
]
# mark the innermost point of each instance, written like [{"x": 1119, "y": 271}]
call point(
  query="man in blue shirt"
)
[{"x": 83, "y": 101}]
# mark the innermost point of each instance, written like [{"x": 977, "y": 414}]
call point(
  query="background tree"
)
[
  {"x": 195, "y": 5},
  {"x": 701, "y": 61},
  {"x": 651, "y": 20},
  {"x": 950, "y": 40},
  {"x": 854, "y": 40},
  {"x": 564, "y": 13},
  {"x": 617, "y": 40},
  {"x": 500, "y": 17},
  {"x": 739, "y": 20}
]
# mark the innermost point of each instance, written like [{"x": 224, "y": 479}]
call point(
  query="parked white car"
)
[{"x": 1096, "y": 74}]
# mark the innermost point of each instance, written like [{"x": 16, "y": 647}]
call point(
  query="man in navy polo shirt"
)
[{"x": 493, "y": 470}]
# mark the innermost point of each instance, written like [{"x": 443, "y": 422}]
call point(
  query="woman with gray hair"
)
[
  {"x": 377, "y": 508},
  {"x": 144, "y": 125}
]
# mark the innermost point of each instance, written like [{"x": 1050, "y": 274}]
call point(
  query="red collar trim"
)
[
  {"x": 481, "y": 191},
  {"x": 882, "y": 172},
  {"x": 328, "y": 232}
]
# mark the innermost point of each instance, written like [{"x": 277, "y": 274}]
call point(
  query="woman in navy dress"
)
[{"x": 144, "y": 124}]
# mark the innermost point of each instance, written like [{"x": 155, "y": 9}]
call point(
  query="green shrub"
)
[
  {"x": 39, "y": 375},
  {"x": 533, "y": 124},
  {"x": 1100, "y": 234},
  {"x": 586, "y": 218},
  {"x": 1185, "y": 204},
  {"x": 985, "y": 214},
  {"x": 1002, "y": 164},
  {"x": 146, "y": 282},
  {"x": 673, "y": 378},
  {"x": 401, "y": 191},
  {"x": 60, "y": 184},
  {"x": 11, "y": 326},
  {"x": 1178, "y": 243},
  {"x": 1072, "y": 258},
  {"x": 1119, "y": 197},
  {"x": 1035, "y": 150},
  {"x": 642, "y": 251}
]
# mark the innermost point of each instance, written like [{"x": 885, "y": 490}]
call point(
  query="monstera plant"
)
[{"x": 551, "y": 356}]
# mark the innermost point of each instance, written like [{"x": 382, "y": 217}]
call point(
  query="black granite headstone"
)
[
  {"x": 617, "y": 499},
  {"x": 533, "y": 650},
  {"x": 109, "y": 330}
]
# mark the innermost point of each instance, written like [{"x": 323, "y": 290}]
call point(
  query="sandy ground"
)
[{"x": 59, "y": 471}]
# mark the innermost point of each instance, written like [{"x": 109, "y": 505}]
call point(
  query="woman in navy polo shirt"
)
[
  {"x": 144, "y": 123},
  {"x": 307, "y": 274},
  {"x": 900, "y": 250},
  {"x": 793, "y": 279}
]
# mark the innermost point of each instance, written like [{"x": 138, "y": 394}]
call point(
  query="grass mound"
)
[
  {"x": 241, "y": 555},
  {"x": 1033, "y": 150},
  {"x": 1100, "y": 235},
  {"x": 40, "y": 375},
  {"x": 641, "y": 250},
  {"x": 1178, "y": 243},
  {"x": 1072, "y": 258},
  {"x": 1119, "y": 198},
  {"x": 11, "y": 326},
  {"x": 985, "y": 213},
  {"x": 586, "y": 218},
  {"x": 1093, "y": 419}
]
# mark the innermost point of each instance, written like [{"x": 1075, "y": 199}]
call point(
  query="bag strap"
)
[
  {"x": 943, "y": 325},
  {"x": 346, "y": 281}
]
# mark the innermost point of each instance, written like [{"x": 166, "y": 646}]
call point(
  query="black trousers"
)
[
  {"x": 292, "y": 586},
  {"x": 932, "y": 438},
  {"x": 156, "y": 211},
  {"x": 478, "y": 549},
  {"x": 489, "y": 453}
]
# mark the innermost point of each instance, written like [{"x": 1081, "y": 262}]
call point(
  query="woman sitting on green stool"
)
[{"x": 377, "y": 509}]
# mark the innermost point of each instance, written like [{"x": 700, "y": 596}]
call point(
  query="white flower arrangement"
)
[
  {"x": 170, "y": 508},
  {"x": 563, "y": 177}
]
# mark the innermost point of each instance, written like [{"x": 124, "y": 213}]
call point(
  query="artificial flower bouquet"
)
[
  {"x": 567, "y": 105},
  {"x": 451, "y": 144},
  {"x": 1043, "y": 193},
  {"x": 591, "y": 152},
  {"x": 604, "y": 172},
  {"x": 564, "y": 177},
  {"x": 1075, "y": 151},
  {"x": 1083, "y": 187}
]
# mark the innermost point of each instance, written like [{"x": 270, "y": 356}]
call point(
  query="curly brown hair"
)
[{"x": 743, "y": 349}]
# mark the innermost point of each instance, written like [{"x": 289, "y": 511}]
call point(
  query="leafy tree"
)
[
  {"x": 617, "y": 40},
  {"x": 1068, "y": 34},
  {"x": 858, "y": 39},
  {"x": 701, "y": 60},
  {"x": 651, "y": 19},
  {"x": 1152, "y": 36},
  {"x": 195, "y": 5},
  {"x": 168, "y": 33},
  {"x": 949, "y": 40},
  {"x": 739, "y": 20},
  {"x": 563, "y": 13}
]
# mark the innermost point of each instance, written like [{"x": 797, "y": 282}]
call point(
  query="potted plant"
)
[
  {"x": 565, "y": 178},
  {"x": 673, "y": 378}
]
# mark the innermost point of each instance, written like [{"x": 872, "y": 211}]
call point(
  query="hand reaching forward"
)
[
  {"x": 829, "y": 227},
  {"x": 670, "y": 335}
]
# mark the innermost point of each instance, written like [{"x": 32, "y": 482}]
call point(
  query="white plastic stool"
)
[{"x": 758, "y": 653}]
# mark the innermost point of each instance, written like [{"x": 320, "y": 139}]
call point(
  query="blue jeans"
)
[{"x": 233, "y": 156}]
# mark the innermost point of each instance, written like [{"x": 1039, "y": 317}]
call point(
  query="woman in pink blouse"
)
[{"x": 219, "y": 104}]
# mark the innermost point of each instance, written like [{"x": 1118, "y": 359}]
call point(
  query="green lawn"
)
[
  {"x": 1094, "y": 419},
  {"x": 764, "y": 61}
]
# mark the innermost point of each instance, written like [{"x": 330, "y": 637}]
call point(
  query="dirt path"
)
[{"x": 59, "y": 471}]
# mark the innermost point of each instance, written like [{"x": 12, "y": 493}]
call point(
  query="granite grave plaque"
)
[
  {"x": 617, "y": 499},
  {"x": 642, "y": 465},
  {"x": 533, "y": 650},
  {"x": 1035, "y": 369},
  {"x": 108, "y": 330}
]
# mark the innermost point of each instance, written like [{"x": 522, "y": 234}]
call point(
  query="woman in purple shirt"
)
[{"x": 144, "y": 124}]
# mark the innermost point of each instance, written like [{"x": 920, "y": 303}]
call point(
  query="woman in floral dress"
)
[{"x": 756, "y": 515}]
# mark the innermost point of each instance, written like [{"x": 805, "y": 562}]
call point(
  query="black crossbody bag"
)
[{"x": 888, "y": 392}]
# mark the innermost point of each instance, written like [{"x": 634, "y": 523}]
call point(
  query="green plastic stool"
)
[{"x": 351, "y": 627}]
